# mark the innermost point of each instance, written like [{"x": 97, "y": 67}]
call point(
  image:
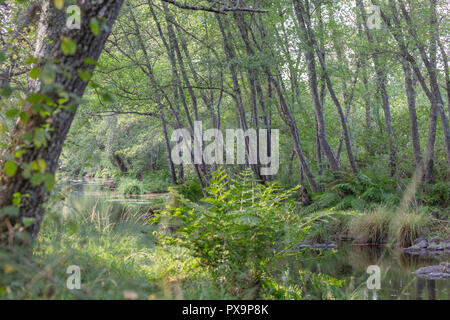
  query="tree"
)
[{"x": 39, "y": 140}]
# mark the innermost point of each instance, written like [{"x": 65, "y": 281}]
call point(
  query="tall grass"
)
[
  {"x": 118, "y": 256},
  {"x": 371, "y": 227},
  {"x": 408, "y": 226},
  {"x": 390, "y": 225}
]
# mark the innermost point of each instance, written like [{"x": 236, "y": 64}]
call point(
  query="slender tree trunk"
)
[
  {"x": 411, "y": 97},
  {"x": 312, "y": 75},
  {"x": 173, "y": 175},
  {"x": 381, "y": 78},
  {"x": 237, "y": 93}
]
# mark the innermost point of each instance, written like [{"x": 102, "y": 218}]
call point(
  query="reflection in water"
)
[
  {"x": 420, "y": 285},
  {"x": 397, "y": 279},
  {"x": 97, "y": 196},
  {"x": 349, "y": 263},
  {"x": 431, "y": 289}
]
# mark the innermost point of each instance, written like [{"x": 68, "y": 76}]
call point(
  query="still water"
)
[{"x": 348, "y": 263}]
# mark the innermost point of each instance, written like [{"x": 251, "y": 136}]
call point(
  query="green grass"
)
[
  {"x": 408, "y": 226},
  {"x": 371, "y": 227},
  {"x": 118, "y": 257},
  {"x": 381, "y": 225}
]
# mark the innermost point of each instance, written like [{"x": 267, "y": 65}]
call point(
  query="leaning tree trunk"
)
[
  {"x": 312, "y": 76},
  {"x": 381, "y": 81},
  {"x": 80, "y": 46},
  {"x": 411, "y": 97}
]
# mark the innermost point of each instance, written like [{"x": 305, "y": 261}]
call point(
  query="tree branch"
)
[{"x": 211, "y": 9}]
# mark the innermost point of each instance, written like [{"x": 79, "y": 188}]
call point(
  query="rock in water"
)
[{"x": 438, "y": 272}]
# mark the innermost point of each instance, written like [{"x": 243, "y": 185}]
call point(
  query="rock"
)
[
  {"x": 332, "y": 245},
  {"x": 438, "y": 272},
  {"x": 422, "y": 244},
  {"x": 413, "y": 249},
  {"x": 435, "y": 247},
  {"x": 301, "y": 246},
  {"x": 436, "y": 240},
  {"x": 323, "y": 246},
  {"x": 419, "y": 240}
]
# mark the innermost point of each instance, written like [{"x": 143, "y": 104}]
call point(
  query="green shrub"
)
[
  {"x": 349, "y": 191},
  {"x": 436, "y": 194},
  {"x": 237, "y": 233},
  {"x": 129, "y": 185},
  {"x": 191, "y": 190},
  {"x": 156, "y": 181}
]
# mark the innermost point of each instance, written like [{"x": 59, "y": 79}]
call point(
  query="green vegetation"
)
[
  {"x": 119, "y": 256},
  {"x": 358, "y": 137},
  {"x": 239, "y": 231},
  {"x": 220, "y": 249}
]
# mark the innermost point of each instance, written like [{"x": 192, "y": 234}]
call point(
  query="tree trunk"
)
[
  {"x": 312, "y": 76},
  {"x": 411, "y": 97},
  {"x": 381, "y": 78},
  {"x": 88, "y": 46}
]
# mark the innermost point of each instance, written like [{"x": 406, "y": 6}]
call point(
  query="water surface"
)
[{"x": 348, "y": 263}]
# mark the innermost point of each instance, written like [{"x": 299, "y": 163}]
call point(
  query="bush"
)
[
  {"x": 129, "y": 185},
  {"x": 436, "y": 194},
  {"x": 236, "y": 234},
  {"x": 156, "y": 181},
  {"x": 153, "y": 181},
  {"x": 191, "y": 190},
  {"x": 350, "y": 191}
]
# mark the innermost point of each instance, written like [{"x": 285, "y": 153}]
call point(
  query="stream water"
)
[{"x": 349, "y": 263}]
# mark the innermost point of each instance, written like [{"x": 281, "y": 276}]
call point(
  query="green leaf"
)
[
  {"x": 107, "y": 97},
  {"x": 24, "y": 117},
  {"x": 35, "y": 73},
  {"x": 89, "y": 61},
  {"x": 85, "y": 75},
  {"x": 10, "y": 168},
  {"x": 16, "y": 202},
  {"x": 31, "y": 60},
  {"x": 95, "y": 26},
  {"x": 28, "y": 221},
  {"x": 50, "y": 181},
  {"x": 9, "y": 211},
  {"x": 42, "y": 165},
  {"x": 48, "y": 75},
  {"x": 37, "y": 178},
  {"x": 12, "y": 113},
  {"x": 68, "y": 46}
]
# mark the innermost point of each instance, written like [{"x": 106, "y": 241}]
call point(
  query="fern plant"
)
[
  {"x": 240, "y": 229},
  {"x": 347, "y": 191}
]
